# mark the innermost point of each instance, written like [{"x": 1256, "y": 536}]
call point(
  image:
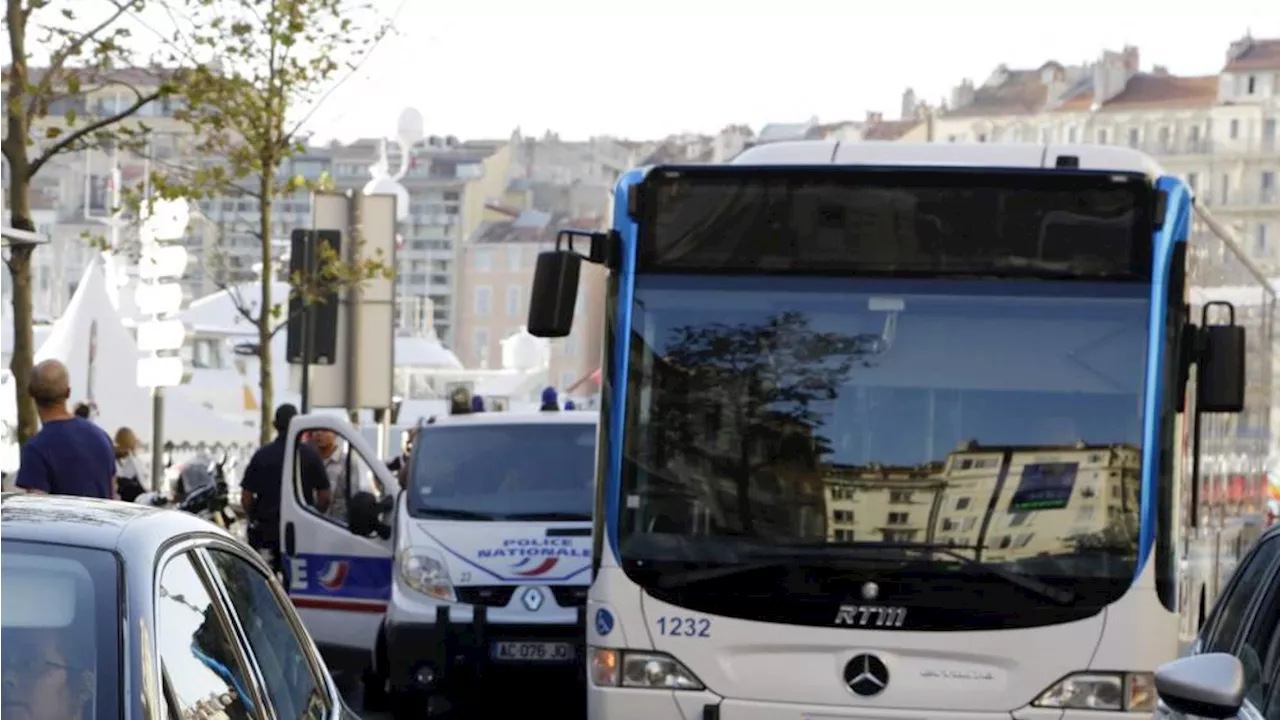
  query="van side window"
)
[
  {"x": 346, "y": 473},
  {"x": 1234, "y": 609},
  {"x": 310, "y": 479}
]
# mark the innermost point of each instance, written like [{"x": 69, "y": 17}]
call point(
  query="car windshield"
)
[
  {"x": 1001, "y": 418},
  {"x": 61, "y": 627},
  {"x": 523, "y": 470}
]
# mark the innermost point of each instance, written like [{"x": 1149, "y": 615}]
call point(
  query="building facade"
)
[{"x": 1219, "y": 132}]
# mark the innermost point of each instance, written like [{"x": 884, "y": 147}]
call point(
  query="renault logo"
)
[
  {"x": 866, "y": 675},
  {"x": 532, "y": 599}
]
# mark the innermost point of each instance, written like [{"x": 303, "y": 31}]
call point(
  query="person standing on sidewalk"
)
[
  {"x": 70, "y": 455},
  {"x": 130, "y": 480}
]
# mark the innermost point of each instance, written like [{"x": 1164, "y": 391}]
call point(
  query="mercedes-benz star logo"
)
[
  {"x": 866, "y": 675},
  {"x": 870, "y": 591},
  {"x": 532, "y": 599}
]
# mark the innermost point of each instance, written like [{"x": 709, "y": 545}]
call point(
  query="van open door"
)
[{"x": 336, "y": 545}]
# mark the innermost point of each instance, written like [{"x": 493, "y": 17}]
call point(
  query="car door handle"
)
[{"x": 290, "y": 540}]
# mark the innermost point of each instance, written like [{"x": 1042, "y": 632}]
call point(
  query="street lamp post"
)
[{"x": 162, "y": 336}]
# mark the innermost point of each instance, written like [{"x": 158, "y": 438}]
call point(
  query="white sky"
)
[{"x": 584, "y": 67}]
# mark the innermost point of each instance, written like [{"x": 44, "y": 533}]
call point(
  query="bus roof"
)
[{"x": 993, "y": 155}]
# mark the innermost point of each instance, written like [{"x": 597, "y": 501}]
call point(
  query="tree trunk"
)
[
  {"x": 15, "y": 149},
  {"x": 23, "y": 340},
  {"x": 266, "y": 318}
]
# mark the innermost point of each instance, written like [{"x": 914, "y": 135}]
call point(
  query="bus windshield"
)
[
  {"x": 517, "y": 471},
  {"x": 1001, "y": 419}
]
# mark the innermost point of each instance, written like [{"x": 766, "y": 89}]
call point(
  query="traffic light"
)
[{"x": 304, "y": 264}]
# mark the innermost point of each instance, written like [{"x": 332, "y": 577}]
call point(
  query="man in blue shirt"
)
[{"x": 70, "y": 455}]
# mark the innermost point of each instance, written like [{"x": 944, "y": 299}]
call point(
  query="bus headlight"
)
[
  {"x": 1134, "y": 692},
  {"x": 632, "y": 669},
  {"x": 426, "y": 573}
]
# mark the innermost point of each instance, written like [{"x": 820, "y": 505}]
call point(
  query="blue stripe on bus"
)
[
  {"x": 1176, "y": 223},
  {"x": 621, "y": 352}
]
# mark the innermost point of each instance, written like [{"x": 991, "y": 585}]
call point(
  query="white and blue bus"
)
[{"x": 913, "y": 431}]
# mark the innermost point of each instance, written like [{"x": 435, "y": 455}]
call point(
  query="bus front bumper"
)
[{"x": 614, "y": 703}]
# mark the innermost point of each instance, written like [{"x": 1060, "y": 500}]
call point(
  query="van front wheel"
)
[{"x": 376, "y": 680}]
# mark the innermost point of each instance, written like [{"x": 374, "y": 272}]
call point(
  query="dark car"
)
[
  {"x": 1233, "y": 669},
  {"x": 117, "y": 610}
]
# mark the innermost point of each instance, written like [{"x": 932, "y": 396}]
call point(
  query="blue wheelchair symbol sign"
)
[{"x": 604, "y": 622}]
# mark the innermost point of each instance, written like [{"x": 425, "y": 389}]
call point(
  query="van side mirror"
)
[
  {"x": 1220, "y": 379},
  {"x": 555, "y": 293},
  {"x": 1210, "y": 685}
]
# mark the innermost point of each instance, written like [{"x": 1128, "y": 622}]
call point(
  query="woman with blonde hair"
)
[{"x": 129, "y": 478}]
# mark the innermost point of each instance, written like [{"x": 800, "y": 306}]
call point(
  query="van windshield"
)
[{"x": 519, "y": 471}]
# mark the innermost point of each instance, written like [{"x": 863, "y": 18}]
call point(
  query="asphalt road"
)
[{"x": 351, "y": 692}]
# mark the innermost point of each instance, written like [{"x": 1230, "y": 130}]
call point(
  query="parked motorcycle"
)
[{"x": 209, "y": 502}]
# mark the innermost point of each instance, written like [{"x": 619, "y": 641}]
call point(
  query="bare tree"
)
[
  {"x": 44, "y": 106},
  {"x": 263, "y": 67}
]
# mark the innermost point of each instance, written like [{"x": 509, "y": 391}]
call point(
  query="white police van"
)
[{"x": 479, "y": 570}]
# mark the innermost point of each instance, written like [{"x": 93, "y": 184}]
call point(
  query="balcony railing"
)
[
  {"x": 1178, "y": 148},
  {"x": 1242, "y": 199},
  {"x": 1167, "y": 148}
]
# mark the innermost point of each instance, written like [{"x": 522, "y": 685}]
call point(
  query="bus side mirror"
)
[
  {"x": 555, "y": 292},
  {"x": 1220, "y": 375}
]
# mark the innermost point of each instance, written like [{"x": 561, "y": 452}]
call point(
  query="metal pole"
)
[
  {"x": 308, "y": 265},
  {"x": 352, "y": 250},
  {"x": 157, "y": 438},
  {"x": 157, "y": 393}
]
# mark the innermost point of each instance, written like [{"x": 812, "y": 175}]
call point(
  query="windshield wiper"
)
[
  {"x": 693, "y": 577},
  {"x": 1047, "y": 270},
  {"x": 1031, "y": 584},
  {"x": 452, "y": 514},
  {"x": 549, "y": 516},
  {"x": 1043, "y": 589}
]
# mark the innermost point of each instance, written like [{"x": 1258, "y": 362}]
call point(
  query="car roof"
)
[
  {"x": 560, "y": 417},
  {"x": 95, "y": 523}
]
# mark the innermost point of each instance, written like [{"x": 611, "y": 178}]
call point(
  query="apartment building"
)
[
  {"x": 448, "y": 182},
  {"x": 597, "y": 161},
  {"x": 494, "y": 282},
  {"x": 226, "y": 231},
  {"x": 1219, "y": 131}
]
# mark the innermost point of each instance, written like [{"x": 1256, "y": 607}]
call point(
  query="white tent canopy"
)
[
  {"x": 424, "y": 352},
  {"x": 220, "y": 312},
  {"x": 92, "y": 319}
]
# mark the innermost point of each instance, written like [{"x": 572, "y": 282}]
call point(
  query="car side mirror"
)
[
  {"x": 364, "y": 516},
  {"x": 1210, "y": 685},
  {"x": 555, "y": 292}
]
